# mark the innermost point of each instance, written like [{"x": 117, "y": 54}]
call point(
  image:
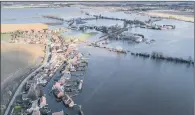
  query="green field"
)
[
  {"x": 5, "y": 37},
  {"x": 80, "y": 37}
]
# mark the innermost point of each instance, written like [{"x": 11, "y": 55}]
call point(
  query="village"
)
[{"x": 63, "y": 57}]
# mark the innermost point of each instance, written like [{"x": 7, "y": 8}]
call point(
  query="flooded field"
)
[
  {"x": 128, "y": 85},
  {"x": 170, "y": 42},
  {"x": 34, "y": 15},
  {"x": 122, "y": 84}
]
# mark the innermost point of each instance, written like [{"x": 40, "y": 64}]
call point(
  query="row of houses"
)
[
  {"x": 67, "y": 52},
  {"x": 33, "y": 36},
  {"x": 60, "y": 53}
]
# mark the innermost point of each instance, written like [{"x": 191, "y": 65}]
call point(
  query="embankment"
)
[{"x": 168, "y": 15}]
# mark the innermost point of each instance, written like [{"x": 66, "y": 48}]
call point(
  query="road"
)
[{"x": 25, "y": 80}]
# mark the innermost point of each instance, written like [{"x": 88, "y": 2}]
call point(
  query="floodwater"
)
[
  {"x": 176, "y": 43},
  {"x": 33, "y": 15},
  {"x": 122, "y": 84}
]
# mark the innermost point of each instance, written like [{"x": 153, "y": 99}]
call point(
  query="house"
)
[
  {"x": 57, "y": 86},
  {"x": 58, "y": 94},
  {"x": 62, "y": 80},
  {"x": 33, "y": 93},
  {"x": 68, "y": 101},
  {"x": 43, "y": 101}
]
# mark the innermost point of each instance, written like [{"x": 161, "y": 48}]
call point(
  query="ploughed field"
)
[{"x": 17, "y": 59}]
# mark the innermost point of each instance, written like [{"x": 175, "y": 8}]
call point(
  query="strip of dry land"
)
[
  {"x": 17, "y": 58},
  {"x": 16, "y": 55},
  {"x": 171, "y": 15},
  {"x": 23, "y": 27}
]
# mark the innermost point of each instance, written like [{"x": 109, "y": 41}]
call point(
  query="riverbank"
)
[
  {"x": 171, "y": 15},
  {"x": 23, "y": 27}
]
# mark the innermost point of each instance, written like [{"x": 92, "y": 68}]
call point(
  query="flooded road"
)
[{"x": 122, "y": 84}]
